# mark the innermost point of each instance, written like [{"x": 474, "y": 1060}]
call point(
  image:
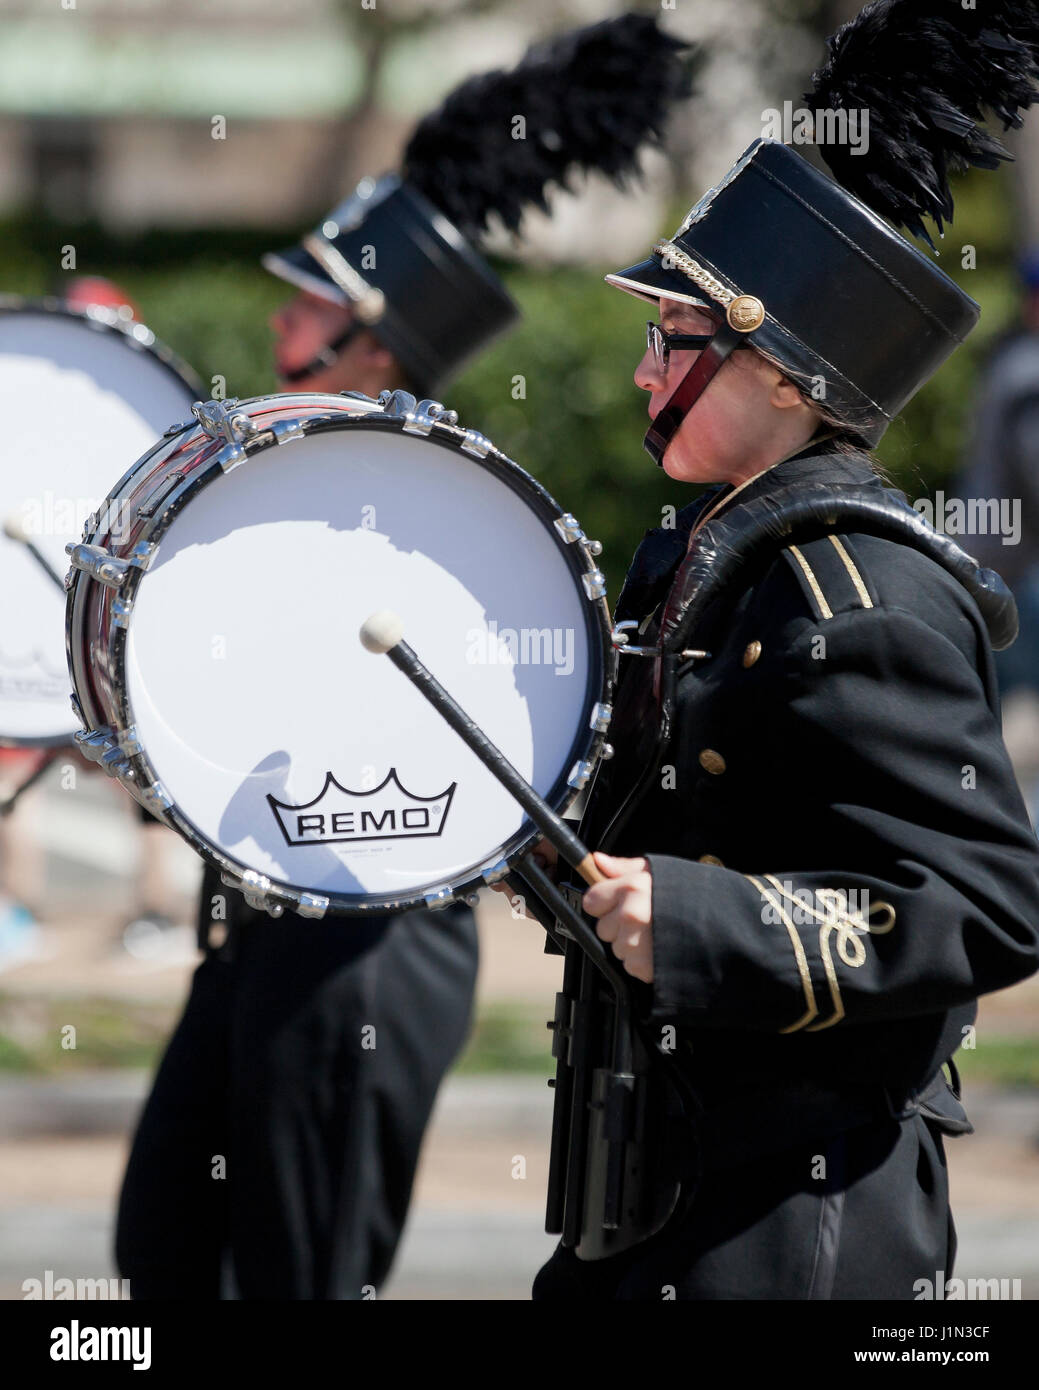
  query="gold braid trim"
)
[
  {"x": 811, "y": 1007},
  {"x": 673, "y": 255},
  {"x": 848, "y": 927}
]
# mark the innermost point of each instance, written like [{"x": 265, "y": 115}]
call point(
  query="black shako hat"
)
[
  {"x": 816, "y": 279},
  {"x": 410, "y": 275},
  {"x": 403, "y": 249},
  {"x": 808, "y": 269}
]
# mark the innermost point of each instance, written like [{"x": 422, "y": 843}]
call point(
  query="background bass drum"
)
[{"x": 82, "y": 395}]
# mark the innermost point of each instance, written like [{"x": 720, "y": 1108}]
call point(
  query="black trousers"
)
[
  {"x": 868, "y": 1222},
  {"x": 283, "y": 1130}
]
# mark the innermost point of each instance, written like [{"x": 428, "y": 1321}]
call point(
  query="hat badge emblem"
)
[{"x": 746, "y": 313}]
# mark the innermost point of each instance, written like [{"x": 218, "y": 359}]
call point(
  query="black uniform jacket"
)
[{"x": 841, "y": 859}]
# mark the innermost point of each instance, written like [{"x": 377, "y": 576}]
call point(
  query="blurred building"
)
[{"x": 139, "y": 113}]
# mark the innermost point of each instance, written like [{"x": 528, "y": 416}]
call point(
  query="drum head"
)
[
  {"x": 79, "y": 403},
  {"x": 290, "y": 748}
]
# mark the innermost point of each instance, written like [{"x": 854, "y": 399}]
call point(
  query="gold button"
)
[
  {"x": 752, "y": 653},
  {"x": 711, "y": 859},
  {"x": 745, "y": 313},
  {"x": 712, "y": 762}
]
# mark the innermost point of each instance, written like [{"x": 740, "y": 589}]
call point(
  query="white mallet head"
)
[
  {"x": 381, "y": 631},
  {"x": 14, "y": 528}
]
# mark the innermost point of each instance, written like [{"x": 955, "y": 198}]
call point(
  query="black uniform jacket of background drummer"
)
[{"x": 843, "y": 735}]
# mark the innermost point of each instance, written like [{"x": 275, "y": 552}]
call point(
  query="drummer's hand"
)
[
  {"x": 545, "y": 855},
  {"x": 624, "y": 906}
]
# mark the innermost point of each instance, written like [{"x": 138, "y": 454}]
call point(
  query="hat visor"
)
[
  {"x": 298, "y": 267},
  {"x": 650, "y": 281}
]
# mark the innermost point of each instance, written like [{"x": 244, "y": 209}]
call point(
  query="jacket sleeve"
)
[{"x": 894, "y": 770}]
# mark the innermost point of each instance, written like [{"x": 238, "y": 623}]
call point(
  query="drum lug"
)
[
  {"x": 94, "y": 743},
  {"x": 251, "y": 885},
  {"x": 114, "y": 762},
  {"x": 257, "y": 890},
  {"x": 476, "y": 444},
  {"x": 496, "y": 872},
  {"x": 441, "y": 897},
  {"x": 284, "y": 430},
  {"x": 594, "y": 583},
  {"x": 579, "y": 774},
  {"x": 128, "y": 740},
  {"x": 600, "y": 718},
  {"x": 99, "y": 563},
  {"x": 427, "y": 414},
  {"x": 229, "y": 456},
  {"x": 220, "y": 420},
  {"x": 156, "y": 798},
  {"x": 396, "y": 403},
  {"x": 312, "y": 905},
  {"x": 569, "y": 528}
]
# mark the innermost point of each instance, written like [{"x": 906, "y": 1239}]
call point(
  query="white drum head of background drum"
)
[
  {"x": 286, "y": 744},
  {"x": 79, "y": 406}
]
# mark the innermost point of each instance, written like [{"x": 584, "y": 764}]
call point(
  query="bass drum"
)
[
  {"x": 81, "y": 395},
  {"x": 213, "y": 633}
]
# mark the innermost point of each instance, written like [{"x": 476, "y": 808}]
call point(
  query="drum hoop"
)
[{"x": 585, "y": 747}]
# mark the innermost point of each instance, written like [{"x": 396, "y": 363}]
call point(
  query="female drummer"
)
[{"x": 831, "y": 859}]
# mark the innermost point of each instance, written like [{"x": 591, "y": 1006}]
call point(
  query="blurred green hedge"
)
[{"x": 579, "y": 422}]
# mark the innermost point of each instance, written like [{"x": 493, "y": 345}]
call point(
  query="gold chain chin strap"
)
[{"x": 674, "y": 256}]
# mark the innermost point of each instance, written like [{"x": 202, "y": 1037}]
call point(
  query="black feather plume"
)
[
  {"x": 927, "y": 71},
  {"x": 589, "y": 100}
]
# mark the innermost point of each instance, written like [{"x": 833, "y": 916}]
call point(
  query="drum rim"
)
[
  {"x": 586, "y": 745},
  {"x": 99, "y": 319},
  {"x": 102, "y": 319}
]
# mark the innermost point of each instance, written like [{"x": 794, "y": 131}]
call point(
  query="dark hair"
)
[{"x": 844, "y": 439}]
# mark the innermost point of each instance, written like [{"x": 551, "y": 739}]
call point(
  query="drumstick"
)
[
  {"x": 383, "y": 633},
  {"x": 15, "y": 531}
]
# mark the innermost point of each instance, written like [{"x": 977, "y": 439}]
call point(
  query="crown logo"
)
[{"x": 339, "y": 816}]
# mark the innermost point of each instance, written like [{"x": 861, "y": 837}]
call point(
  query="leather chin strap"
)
[
  {"x": 669, "y": 421},
  {"x": 326, "y": 357}
]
